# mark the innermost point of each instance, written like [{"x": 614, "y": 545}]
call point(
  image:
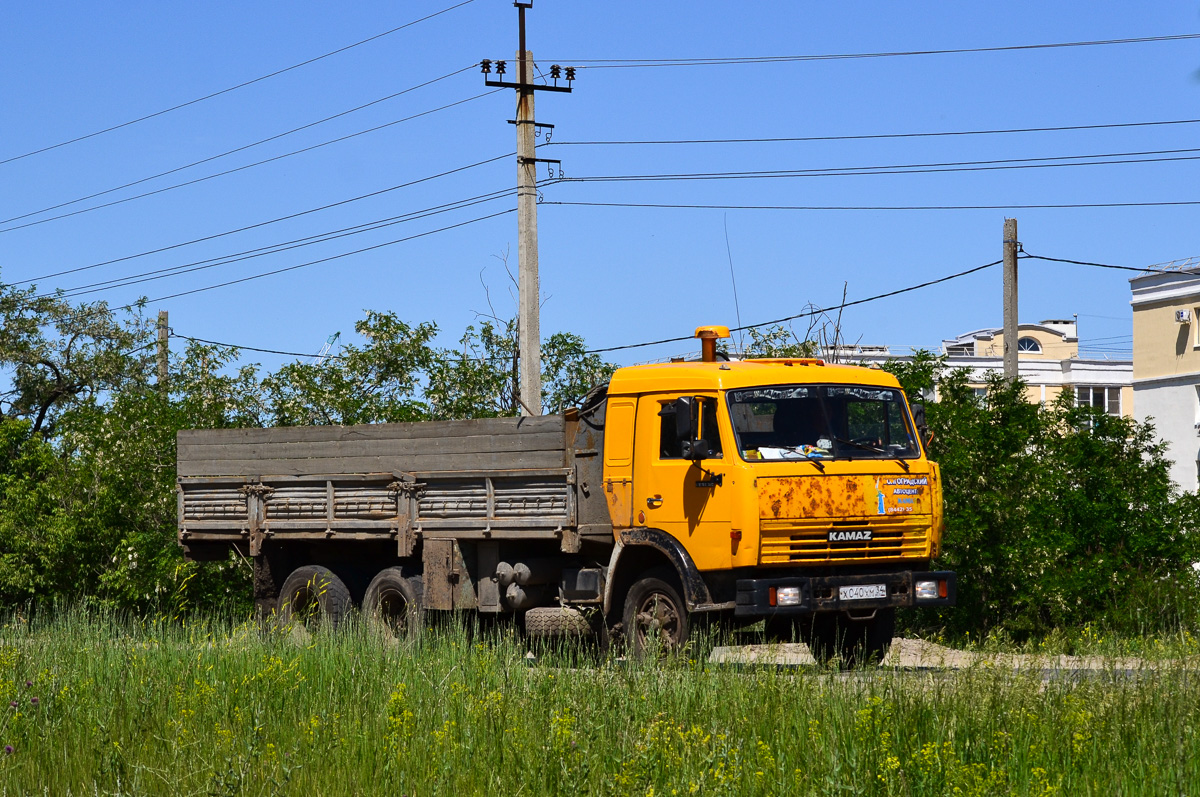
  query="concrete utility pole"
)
[
  {"x": 529, "y": 342},
  {"x": 529, "y": 333},
  {"x": 163, "y": 334},
  {"x": 1010, "y": 299}
]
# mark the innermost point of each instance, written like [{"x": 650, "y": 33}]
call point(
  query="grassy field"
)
[{"x": 98, "y": 705}]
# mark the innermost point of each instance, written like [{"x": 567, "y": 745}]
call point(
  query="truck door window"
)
[{"x": 671, "y": 447}]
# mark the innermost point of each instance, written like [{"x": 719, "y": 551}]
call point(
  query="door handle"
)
[{"x": 654, "y": 502}]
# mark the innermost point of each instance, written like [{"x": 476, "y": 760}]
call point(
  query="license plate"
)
[{"x": 860, "y": 592}]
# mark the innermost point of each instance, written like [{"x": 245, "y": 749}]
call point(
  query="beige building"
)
[
  {"x": 1049, "y": 362},
  {"x": 1166, "y": 356}
]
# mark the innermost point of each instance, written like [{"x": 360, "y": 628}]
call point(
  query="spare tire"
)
[{"x": 312, "y": 597}]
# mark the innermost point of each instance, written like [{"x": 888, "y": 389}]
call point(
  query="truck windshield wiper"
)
[
  {"x": 814, "y": 460},
  {"x": 807, "y": 457},
  {"x": 863, "y": 446},
  {"x": 867, "y": 447}
]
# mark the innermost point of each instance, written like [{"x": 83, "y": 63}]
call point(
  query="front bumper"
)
[{"x": 821, "y": 593}]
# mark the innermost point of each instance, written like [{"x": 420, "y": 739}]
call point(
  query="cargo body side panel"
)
[
  {"x": 479, "y": 479},
  {"x": 491, "y": 443}
]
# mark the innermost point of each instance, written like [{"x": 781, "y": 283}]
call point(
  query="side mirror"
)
[
  {"x": 686, "y": 411},
  {"x": 685, "y": 420},
  {"x": 696, "y": 449},
  {"x": 918, "y": 413}
]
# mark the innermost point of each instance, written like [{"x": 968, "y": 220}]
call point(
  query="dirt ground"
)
[{"x": 917, "y": 653}]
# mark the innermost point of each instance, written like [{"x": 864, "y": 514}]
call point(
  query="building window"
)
[
  {"x": 1029, "y": 345},
  {"x": 1107, "y": 399},
  {"x": 980, "y": 394},
  {"x": 961, "y": 351}
]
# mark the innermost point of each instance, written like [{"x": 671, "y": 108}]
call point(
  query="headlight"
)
[
  {"x": 927, "y": 590},
  {"x": 787, "y": 596}
]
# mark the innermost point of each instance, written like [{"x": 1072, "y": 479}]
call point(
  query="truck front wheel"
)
[
  {"x": 311, "y": 596},
  {"x": 655, "y": 616}
]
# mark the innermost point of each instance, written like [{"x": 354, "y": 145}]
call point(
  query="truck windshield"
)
[{"x": 789, "y": 422}]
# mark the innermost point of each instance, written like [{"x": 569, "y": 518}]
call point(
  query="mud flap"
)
[{"x": 447, "y": 580}]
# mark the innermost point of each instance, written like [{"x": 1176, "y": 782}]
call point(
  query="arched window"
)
[{"x": 1029, "y": 345}]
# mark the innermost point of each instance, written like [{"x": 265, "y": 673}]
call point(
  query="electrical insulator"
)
[
  {"x": 570, "y": 73},
  {"x": 555, "y": 71},
  {"x": 486, "y": 66},
  {"x": 500, "y": 67}
]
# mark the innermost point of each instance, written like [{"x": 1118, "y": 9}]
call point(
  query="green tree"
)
[
  {"x": 87, "y": 437},
  {"x": 380, "y": 382},
  {"x": 58, "y": 354},
  {"x": 778, "y": 342},
  {"x": 1056, "y": 515}
]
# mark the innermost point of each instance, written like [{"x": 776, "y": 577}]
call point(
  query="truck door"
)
[{"x": 688, "y": 500}]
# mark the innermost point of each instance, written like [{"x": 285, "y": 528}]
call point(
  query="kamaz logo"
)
[{"x": 858, "y": 535}]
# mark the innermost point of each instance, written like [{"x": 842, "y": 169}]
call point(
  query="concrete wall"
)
[
  {"x": 1166, "y": 364},
  {"x": 1163, "y": 347},
  {"x": 1172, "y": 406}
]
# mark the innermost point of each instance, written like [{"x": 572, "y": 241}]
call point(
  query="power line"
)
[
  {"x": 233, "y": 88},
  {"x": 809, "y": 313},
  {"x": 246, "y": 166},
  {"x": 873, "y": 136},
  {"x": 235, "y": 150},
  {"x": 253, "y": 348},
  {"x": 1068, "y": 205},
  {"x": 1139, "y": 269},
  {"x": 201, "y": 265},
  {"x": 267, "y": 222},
  {"x": 503, "y": 358},
  {"x": 101, "y": 308},
  {"x": 910, "y": 168},
  {"x": 321, "y": 260},
  {"x": 632, "y": 63},
  {"x": 1108, "y": 339}
]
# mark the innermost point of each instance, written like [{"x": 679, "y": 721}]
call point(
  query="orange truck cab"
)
[{"x": 792, "y": 490}]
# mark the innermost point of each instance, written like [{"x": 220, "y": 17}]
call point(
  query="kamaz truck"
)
[{"x": 789, "y": 492}]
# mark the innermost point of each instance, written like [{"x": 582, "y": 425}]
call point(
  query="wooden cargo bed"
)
[{"x": 478, "y": 479}]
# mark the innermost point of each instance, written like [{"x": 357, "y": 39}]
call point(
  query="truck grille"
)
[{"x": 807, "y": 542}]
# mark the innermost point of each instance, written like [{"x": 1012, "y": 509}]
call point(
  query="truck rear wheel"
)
[
  {"x": 392, "y": 603},
  {"x": 655, "y": 617},
  {"x": 311, "y": 596}
]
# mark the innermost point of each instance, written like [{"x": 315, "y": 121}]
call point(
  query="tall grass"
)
[{"x": 99, "y": 704}]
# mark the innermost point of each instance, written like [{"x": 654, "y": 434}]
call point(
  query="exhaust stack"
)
[{"x": 708, "y": 341}]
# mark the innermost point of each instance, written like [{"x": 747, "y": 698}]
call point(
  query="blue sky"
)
[{"x": 614, "y": 275}]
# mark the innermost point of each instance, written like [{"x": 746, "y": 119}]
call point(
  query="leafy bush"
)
[{"x": 1056, "y": 515}]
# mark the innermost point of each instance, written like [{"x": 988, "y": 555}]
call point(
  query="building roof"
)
[
  {"x": 1064, "y": 329},
  {"x": 1165, "y": 285}
]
